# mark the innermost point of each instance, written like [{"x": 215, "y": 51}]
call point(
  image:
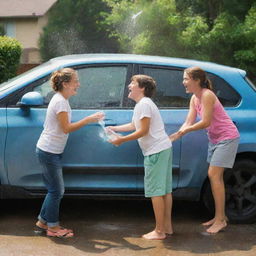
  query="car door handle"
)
[{"x": 109, "y": 122}]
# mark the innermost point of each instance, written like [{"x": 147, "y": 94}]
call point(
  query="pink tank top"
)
[{"x": 221, "y": 127}]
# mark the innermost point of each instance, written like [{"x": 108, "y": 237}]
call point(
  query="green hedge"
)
[{"x": 10, "y": 52}]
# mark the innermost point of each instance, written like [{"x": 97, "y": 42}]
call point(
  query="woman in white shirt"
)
[{"x": 51, "y": 144}]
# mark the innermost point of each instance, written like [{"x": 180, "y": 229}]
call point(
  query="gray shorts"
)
[{"x": 223, "y": 153}]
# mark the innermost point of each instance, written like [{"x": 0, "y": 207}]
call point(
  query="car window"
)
[
  {"x": 45, "y": 90},
  {"x": 250, "y": 82},
  {"x": 100, "y": 87},
  {"x": 170, "y": 91},
  {"x": 226, "y": 94}
]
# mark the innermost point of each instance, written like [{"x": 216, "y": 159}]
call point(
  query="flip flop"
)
[
  {"x": 61, "y": 233},
  {"x": 40, "y": 230},
  {"x": 70, "y": 230}
]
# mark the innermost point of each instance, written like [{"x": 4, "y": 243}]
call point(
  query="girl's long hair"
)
[{"x": 197, "y": 73}]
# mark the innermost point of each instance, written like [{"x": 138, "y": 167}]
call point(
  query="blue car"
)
[{"x": 94, "y": 167}]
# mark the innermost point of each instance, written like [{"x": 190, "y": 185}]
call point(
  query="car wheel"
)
[{"x": 240, "y": 185}]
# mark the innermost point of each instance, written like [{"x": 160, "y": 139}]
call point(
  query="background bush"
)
[
  {"x": 10, "y": 52},
  {"x": 2, "y": 32}
]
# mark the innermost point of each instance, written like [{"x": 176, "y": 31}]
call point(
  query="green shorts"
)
[{"x": 158, "y": 173}]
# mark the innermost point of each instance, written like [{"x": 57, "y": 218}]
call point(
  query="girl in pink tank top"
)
[
  {"x": 222, "y": 133},
  {"x": 221, "y": 126}
]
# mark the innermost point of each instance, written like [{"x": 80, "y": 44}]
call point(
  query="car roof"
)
[
  {"x": 140, "y": 59},
  {"x": 79, "y": 59}
]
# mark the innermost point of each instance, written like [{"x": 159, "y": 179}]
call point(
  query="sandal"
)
[
  {"x": 40, "y": 229},
  {"x": 70, "y": 230},
  {"x": 61, "y": 233}
]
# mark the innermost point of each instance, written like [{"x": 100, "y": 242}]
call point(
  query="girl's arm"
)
[
  {"x": 142, "y": 131},
  {"x": 208, "y": 101},
  {"x": 68, "y": 127},
  {"x": 122, "y": 128},
  {"x": 190, "y": 119}
]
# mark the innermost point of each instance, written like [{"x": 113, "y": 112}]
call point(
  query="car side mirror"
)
[{"x": 31, "y": 99}]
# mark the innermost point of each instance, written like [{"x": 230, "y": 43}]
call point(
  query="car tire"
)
[{"x": 240, "y": 185}]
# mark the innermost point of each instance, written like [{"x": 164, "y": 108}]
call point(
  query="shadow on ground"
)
[{"x": 102, "y": 225}]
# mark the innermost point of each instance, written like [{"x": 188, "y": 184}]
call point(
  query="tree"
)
[
  {"x": 221, "y": 31},
  {"x": 230, "y": 39},
  {"x": 211, "y": 9},
  {"x": 245, "y": 55},
  {"x": 76, "y": 27},
  {"x": 144, "y": 26}
]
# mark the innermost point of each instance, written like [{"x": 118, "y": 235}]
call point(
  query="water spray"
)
[
  {"x": 136, "y": 15},
  {"x": 107, "y": 134}
]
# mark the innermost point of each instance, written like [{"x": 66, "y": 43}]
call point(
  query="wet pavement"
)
[{"x": 114, "y": 227}]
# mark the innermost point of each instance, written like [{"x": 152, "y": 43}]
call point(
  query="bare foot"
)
[
  {"x": 154, "y": 235},
  {"x": 169, "y": 231},
  {"x": 217, "y": 227},
  {"x": 208, "y": 223}
]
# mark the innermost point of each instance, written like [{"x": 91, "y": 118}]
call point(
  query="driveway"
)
[{"x": 114, "y": 227}]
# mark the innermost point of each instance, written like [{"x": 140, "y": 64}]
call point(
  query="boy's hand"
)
[
  {"x": 110, "y": 128},
  {"x": 117, "y": 141}
]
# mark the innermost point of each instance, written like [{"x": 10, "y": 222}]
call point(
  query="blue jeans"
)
[{"x": 53, "y": 180}]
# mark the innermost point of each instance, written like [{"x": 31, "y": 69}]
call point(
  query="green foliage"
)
[
  {"x": 10, "y": 52},
  {"x": 221, "y": 31},
  {"x": 143, "y": 26},
  {"x": 245, "y": 55},
  {"x": 217, "y": 44},
  {"x": 120, "y": 20},
  {"x": 211, "y": 9},
  {"x": 76, "y": 27}
]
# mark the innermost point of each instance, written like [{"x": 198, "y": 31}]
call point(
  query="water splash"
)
[
  {"x": 66, "y": 42},
  {"x": 106, "y": 134},
  {"x": 130, "y": 28}
]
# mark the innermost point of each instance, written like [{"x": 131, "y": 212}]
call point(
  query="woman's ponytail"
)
[{"x": 197, "y": 73}]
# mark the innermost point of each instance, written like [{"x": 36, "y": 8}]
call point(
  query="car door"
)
[
  {"x": 90, "y": 164},
  {"x": 3, "y": 130},
  {"x": 24, "y": 126}
]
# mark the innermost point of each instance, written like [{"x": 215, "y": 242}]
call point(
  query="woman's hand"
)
[
  {"x": 174, "y": 136},
  {"x": 96, "y": 117},
  {"x": 179, "y": 133}
]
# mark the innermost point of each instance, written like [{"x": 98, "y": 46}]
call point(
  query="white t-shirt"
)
[
  {"x": 52, "y": 138},
  {"x": 156, "y": 140}
]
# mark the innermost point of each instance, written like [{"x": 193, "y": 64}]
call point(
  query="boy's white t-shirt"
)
[
  {"x": 53, "y": 139},
  {"x": 156, "y": 140}
]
